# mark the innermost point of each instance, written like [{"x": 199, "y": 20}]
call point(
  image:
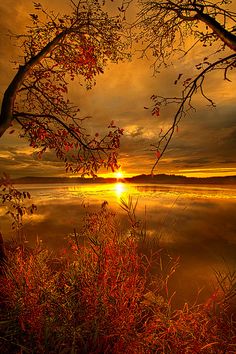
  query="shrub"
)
[{"x": 97, "y": 297}]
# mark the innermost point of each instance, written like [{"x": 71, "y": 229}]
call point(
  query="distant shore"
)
[{"x": 156, "y": 179}]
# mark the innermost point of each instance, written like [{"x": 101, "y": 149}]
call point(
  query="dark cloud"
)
[{"x": 197, "y": 161}]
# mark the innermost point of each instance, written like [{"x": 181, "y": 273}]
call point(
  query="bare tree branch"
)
[
  {"x": 187, "y": 94},
  {"x": 162, "y": 28}
]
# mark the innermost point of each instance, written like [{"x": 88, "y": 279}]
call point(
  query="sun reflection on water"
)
[
  {"x": 111, "y": 192},
  {"x": 120, "y": 188}
]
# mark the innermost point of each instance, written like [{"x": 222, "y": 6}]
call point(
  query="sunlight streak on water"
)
[
  {"x": 112, "y": 192},
  {"x": 120, "y": 189}
]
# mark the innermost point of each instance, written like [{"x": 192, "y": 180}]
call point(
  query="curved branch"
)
[
  {"x": 58, "y": 120},
  {"x": 6, "y": 116},
  {"x": 227, "y": 37},
  {"x": 192, "y": 87}
]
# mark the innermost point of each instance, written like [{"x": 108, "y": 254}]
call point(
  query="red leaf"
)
[
  {"x": 39, "y": 154},
  {"x": 156, "y": 111}
]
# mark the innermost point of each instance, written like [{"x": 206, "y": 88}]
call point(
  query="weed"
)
[{"x": 98, "y": 296}]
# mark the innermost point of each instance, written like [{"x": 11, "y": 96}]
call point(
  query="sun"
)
[{"x": 119, "y": 175}]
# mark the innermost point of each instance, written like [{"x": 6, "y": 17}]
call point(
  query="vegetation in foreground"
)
[{"x": 99, "y": 296}]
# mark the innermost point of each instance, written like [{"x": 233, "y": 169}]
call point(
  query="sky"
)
[{"x": 204, "y": 146}]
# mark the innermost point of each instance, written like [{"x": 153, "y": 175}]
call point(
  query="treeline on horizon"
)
[{"x": 143, "y": 178}]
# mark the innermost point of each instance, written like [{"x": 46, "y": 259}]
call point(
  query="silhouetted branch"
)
[{"x": 187, "y": 94}]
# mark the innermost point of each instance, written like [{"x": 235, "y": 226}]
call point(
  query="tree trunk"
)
[
  {"x": 6, "y": 116},
  {"x": 227, "y": 37},
  {"x": 3, "y": 255}
]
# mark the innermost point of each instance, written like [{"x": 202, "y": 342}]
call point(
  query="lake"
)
[{"x": 196, "y": 222}]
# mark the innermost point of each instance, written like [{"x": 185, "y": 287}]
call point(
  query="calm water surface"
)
[{"x": 198, "y": 223}]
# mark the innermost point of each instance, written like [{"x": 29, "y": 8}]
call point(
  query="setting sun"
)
[{"x": 119, "y": 175}]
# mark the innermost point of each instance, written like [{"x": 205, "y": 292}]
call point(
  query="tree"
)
[
  {"x": 163, "y": 28},
  {"x": 55, "y": 50},
  {"x": 14, "y": 201}
]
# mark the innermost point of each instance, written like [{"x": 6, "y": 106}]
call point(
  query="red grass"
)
[{"x": 97, "y": 298}]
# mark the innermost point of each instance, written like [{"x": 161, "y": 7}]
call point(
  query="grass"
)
[{"x": 100, "y": 295}]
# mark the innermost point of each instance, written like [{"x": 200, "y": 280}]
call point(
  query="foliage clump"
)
[
  {"x": 55, "y": 50},
  {"x": 14, "y": 200}
]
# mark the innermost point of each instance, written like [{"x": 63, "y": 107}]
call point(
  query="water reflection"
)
[
  {"x": 197, "y": 223},
  {"x": 120, "y": 188},
  {"x": 112, "y": 192}
]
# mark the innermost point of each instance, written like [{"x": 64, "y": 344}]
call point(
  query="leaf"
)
[
  {"x": 156, "y": 111},
  {"x": 158, "y": 154},
  {"x": 67, "y": 148},
  {"x": 179, "y": 76},
  {"x": 34, "y": 17},
  {"x": 121, "y": 9},
  {"x": 39, "y": 154},
  {"x": 37, "y": 6},
  {"x": 112, "y": 125}
]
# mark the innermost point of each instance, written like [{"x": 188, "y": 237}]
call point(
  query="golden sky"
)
[{"x": 204, "y": 146}]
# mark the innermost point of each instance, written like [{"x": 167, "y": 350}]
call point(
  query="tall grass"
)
[{"x": 97, "y": 296}]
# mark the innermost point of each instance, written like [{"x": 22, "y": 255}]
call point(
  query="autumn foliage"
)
[
  {"x": 55, "y": 50},
  {"x": 14, "y": 201},
  {"x": 97, "y": 297}
]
